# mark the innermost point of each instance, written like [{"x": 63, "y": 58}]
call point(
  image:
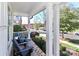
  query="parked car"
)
[
  {"x": 77, "y": 34},
  {"x": 65, "y": 33}
]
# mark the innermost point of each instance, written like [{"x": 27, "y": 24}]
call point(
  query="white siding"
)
[{"x": 3, "y": 28}]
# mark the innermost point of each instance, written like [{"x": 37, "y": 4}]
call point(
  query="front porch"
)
[{"x": 29, "y": 9}]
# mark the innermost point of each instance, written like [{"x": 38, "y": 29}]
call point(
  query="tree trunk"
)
[{"x": 62, "y": 35}]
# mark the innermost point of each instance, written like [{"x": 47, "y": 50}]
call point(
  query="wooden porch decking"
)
[{"x": 37, "y": 51}]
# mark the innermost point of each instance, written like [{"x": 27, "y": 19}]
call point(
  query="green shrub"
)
[
  {"x": 33, "y": 34},
  {"x": 40, "y": 42},
  {"x": 62, "y": 48},
  {"x": 63, "y": 51},
  {"x": 74, "y": 41},
  {"x": 17, "y": 28}
]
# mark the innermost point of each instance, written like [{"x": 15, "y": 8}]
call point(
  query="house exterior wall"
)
[
  {"x": 6, "y": 30},
  {"x": 3, "y": 29}
]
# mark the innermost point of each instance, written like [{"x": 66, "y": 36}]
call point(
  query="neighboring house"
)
[{"x": 17, "y": 20}]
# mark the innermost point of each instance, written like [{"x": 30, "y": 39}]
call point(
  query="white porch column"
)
[
  {"x": 49, "y": 27},
  {"x": 3, "y": 29},
  {"x": 56, "y": 29},
  {"x": 29, "y": 28},
  {"x": 52, "y": 26}
]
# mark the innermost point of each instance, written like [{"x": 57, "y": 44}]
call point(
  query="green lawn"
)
[{"x": 70, "y": 45}]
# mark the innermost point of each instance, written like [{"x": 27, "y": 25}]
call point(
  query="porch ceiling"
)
[{"x": 27, "y": 8}]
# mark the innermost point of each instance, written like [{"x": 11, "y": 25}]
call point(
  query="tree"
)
[
  {"x": 36, "y": 26},
  {"x": 68, "y": 20},
  {"x": 17, "y": 28}
]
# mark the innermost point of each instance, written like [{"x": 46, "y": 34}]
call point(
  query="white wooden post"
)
[
  {"x": 29, "y": 28},
  {"x": 3, "y": 29},
  {"x": 56, "y": 25},
  {"x": 49, "y": 27},
  {"x": 10, "y": 30}
]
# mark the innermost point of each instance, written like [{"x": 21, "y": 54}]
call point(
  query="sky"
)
[
  {"x": 74, "y": 4},
  {"x": 40, "y": 16}
]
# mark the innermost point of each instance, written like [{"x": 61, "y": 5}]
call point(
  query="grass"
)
[{"x": 70, "y": 45}]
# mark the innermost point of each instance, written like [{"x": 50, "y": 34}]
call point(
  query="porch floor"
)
[{"x": 37, "y": 51}]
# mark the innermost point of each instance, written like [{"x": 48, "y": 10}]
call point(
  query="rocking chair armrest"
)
[
  {"x": 27, "y": 49},
  {"x": 23, "y": 43}
]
